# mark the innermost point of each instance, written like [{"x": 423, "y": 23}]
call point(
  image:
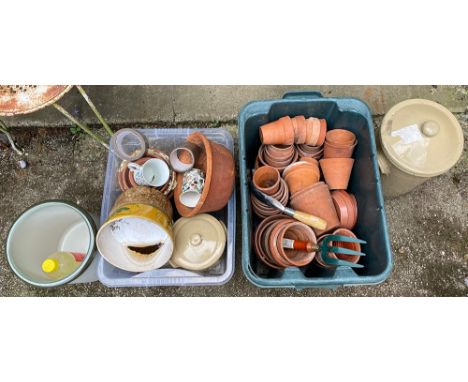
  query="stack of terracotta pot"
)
[
  {"x": 337, "y": 163},
  {"x": 292, "y": 175}
]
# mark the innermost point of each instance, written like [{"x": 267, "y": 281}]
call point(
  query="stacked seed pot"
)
[{"x": 307, "y": 167}]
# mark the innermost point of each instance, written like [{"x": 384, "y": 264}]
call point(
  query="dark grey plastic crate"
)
[{"x": 354, "y": 115}]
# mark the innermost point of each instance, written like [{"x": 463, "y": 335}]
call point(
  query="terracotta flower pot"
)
[
  {"x": 337, "y": 172},
  {"x": 291, "y": 229},
  {"x": 353, "y": 246},
  {"x": 264, "y": 210},
  {"x": 266, "y": 160},
  {"x": 279, "y": 152},
  {"x": 217, "y": 162},
  {"x": 261, "y": 251},
  {"x": 316, "y": 200},
  {"x": 280, "y": 132},
  {"x": 301, "y": 175},
  {"x": 340, "y": 137},
  {"x": 346, "y": 208},
  {"x": 315, "y": 152},
  {"x": 300, "y": 130},
  {"x": 323, "y": 132},
  {"x": 309, "y": 160},
  {"x": 318, "y": 257},
  {"x": 332, "y": 151},
  {"x": 267, "y": 179}
]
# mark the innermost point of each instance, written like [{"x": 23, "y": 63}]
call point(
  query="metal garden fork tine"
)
[
  {"x": 339, "y": 262},
  {"x": 344, "y": 239},
  {"x": 345, "y": 251}
]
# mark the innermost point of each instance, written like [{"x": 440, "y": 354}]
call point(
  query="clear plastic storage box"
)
[{"x": 166, "y": 140}]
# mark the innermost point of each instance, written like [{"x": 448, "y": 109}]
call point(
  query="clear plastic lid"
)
[
  {"x": 128, "y": 144},
  {"x": 421, "y": 137}
]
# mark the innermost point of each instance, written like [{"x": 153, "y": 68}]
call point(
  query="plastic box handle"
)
[{"x": 302, "y": 94}]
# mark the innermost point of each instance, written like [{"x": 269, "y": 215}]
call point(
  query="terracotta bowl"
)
[{"x": 217, "y": 162}]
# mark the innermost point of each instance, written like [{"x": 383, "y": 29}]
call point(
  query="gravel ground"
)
[{"x": 428, "y": 227}]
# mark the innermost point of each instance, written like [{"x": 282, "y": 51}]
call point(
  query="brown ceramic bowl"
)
[{"x": 217, "y": 162}]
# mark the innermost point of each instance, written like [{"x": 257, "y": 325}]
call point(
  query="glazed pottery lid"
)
[
  {"x": 421, "y": 137},
  {"x": 199, "y": 242}
]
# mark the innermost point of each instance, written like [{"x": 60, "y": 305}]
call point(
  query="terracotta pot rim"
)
[
  {"x": 273, "y": 188},
  {"x": 307, "y": 259}
]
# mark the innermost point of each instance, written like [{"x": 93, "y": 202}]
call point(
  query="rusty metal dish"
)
[{"x": 24, "y": 99}]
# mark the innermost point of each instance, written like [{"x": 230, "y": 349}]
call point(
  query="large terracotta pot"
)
[
  {"x": 217, "y": 162},
  {"x": 337, "y": 172},
  {"x": 316, "y": 200}
]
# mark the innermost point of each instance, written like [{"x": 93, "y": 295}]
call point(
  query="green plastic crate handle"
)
[{"x": 302, "y": 94}]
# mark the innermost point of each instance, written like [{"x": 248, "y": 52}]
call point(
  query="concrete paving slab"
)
[
  {"x": 169, "y": 104},
  {"x": 428, "y": 228}
]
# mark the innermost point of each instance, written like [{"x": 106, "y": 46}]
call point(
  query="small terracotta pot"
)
[
  {"x": 266, "y": 160},
  {"x": 279, "y": 152},
  {"x": 217, "y": 162},
  {"x": 316, "y": 200},
  {"x": 300, "y": 130},
  {"x": 346, "y": 208},
  {"x": 340, "y": 137},
  {"x": 332, "y": 151},
  {"x": 262, "y": 252},
  {"x": 316, "y": 131},
  {"x": 301, "y": 175},
  {"x": 318, "y": 257},
  {"x": 315, "y": 152},
  {"x": 337, "y": 172},
  {"x": 264, "y": 210},
  {"x": 291, "y": 229},
  {"x": 323, "y": 132},
  {"x": 309, "y": 160},
  {"x": 353, "y": 246},
  {"x": 280, "y": 132},
  {"x": 267, "y": 179}
]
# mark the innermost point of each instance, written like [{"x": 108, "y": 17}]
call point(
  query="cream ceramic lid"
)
[
  {"x": 199, "y": 242},
  {"x": 421, "y": 137}
]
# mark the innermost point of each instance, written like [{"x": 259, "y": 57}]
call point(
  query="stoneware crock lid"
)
[
  {"x": 421, "y": 137},
  {"x": 199, "y": 242}
]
